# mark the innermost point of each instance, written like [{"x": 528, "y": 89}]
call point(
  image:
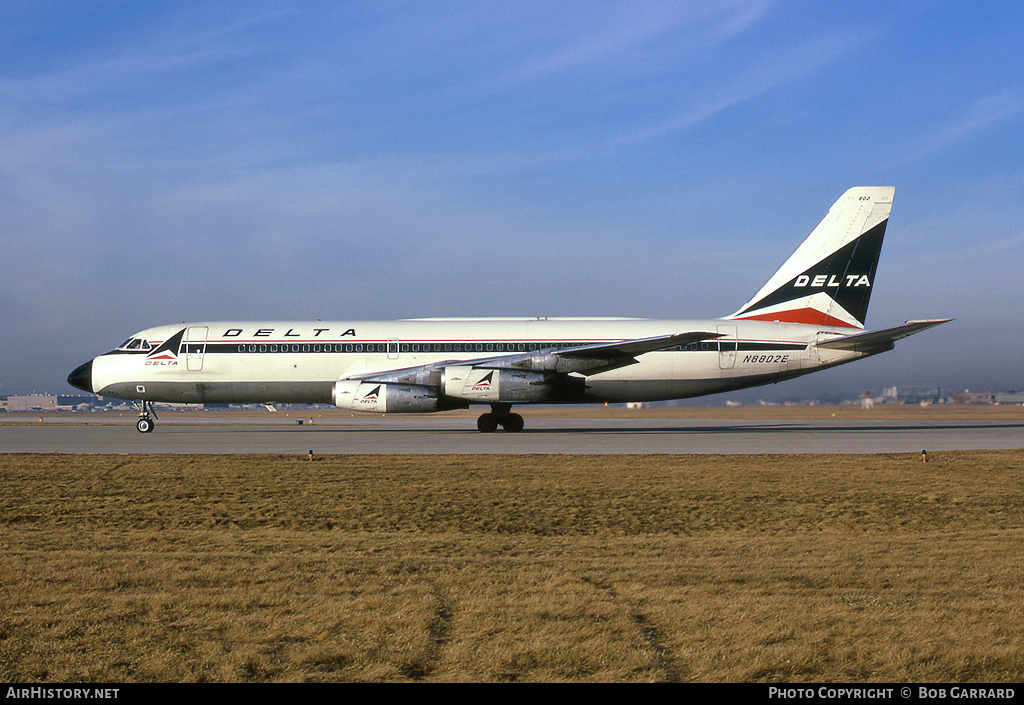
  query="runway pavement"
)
[{"x": 447, "y": 434}]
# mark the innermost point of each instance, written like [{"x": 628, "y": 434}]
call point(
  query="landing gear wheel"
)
[
  {"x": 487, "y": 423},
  {"x": 146, "y": 416},
  {"x": 513, "y": 423}
]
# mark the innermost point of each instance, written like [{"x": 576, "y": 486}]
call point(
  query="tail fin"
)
[{"x": 828, "y": 280}]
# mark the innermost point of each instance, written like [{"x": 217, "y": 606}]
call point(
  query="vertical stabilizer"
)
[{"x": 828, "y": 280}]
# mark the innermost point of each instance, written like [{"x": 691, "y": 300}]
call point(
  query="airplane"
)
[{"x": 809, "y": 316}]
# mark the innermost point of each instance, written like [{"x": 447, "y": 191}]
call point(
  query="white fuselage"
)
[{"x": 300, "y": 362}]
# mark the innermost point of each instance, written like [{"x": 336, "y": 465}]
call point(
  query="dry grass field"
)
[{"x": 512, "y": 568}]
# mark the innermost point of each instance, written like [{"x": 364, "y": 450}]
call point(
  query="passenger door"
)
[
  {"x": 195, "y": 347},
  {"x": 727, "y": 347}
]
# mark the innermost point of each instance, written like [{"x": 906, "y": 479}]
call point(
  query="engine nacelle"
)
[
  {"x": 379, "y": 397},
  {"x": 511, "y": 386}
]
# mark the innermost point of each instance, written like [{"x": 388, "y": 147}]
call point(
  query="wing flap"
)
[{"x": 637, "y": 346}]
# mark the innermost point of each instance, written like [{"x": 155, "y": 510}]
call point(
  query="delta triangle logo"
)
[
  {"x": 485, "y": 381},
  {"x": 372, "y": 395},
  {"x": 167, "y": 353}
]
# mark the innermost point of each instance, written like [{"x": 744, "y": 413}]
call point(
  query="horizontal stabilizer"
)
[{"x": 881, "y": 340}]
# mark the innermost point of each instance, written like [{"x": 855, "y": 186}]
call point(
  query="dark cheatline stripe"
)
[{"x": 507, "y": 348}]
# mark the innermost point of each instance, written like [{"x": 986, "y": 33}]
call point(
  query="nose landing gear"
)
[{"x": 146, "y": 417}]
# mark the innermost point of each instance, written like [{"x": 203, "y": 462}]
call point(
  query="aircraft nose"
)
[{"x": 82, "y": 377}]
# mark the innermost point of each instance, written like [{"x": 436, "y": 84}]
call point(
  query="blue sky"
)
[{"x": 165, "y": 162}]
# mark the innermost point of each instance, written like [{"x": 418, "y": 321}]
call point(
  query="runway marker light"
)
[
  {"x": 924, "y": 456},
  {"x": 310, "y": 455}
]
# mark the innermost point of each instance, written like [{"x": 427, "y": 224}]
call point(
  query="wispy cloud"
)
[
  {"x": 981, "y": 114},
  {"x": 1014, "y": 243},
  {"x": 784, "y": 68},
  {"x": 622, "y": 35}
]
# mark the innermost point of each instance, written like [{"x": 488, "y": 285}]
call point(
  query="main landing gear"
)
[
  {"x": 146, "y": 416},
  {"x": 500, "y": 416}
]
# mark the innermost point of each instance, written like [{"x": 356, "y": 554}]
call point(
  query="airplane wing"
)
[
  {"x": 602, "y": 357},
  {"x": 584, "y": 359},
  {"x": 638, "y": 346},
  {"x": 881, "y": 340}
]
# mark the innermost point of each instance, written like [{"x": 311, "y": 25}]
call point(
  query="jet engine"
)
[
  {"x": 381, "y": 397},
  {"x": 508, "y": 385}
]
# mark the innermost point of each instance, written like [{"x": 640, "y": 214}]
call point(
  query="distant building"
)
[
  {"x": 911, "y": 395},
  {"x": 987, "y": 398},
  {"x": 971, "y": 397},
  {"x": 1008, "y": 398},
  {"x": 31, "y": 402}
]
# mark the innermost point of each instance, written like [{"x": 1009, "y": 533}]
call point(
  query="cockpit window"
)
[{"x": 134, "y": 344}]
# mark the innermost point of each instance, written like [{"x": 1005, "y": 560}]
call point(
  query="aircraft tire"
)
[
  {"x": 486, "y": 423},
  {"x": 513, "y": 423},
  {"x": 144, "y": 425}
]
